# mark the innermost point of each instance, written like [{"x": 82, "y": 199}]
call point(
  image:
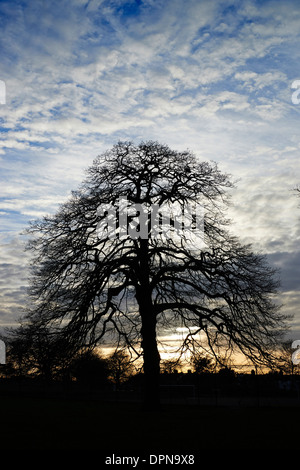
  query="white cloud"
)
[{"x": 199, "y": 75}]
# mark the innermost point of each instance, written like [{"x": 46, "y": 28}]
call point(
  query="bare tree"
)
[
  {"x": 288, "y": 360},
  {"x": 99, "y": 273},
  {"x": 171, "y": 366},
  {"x": 90, "y": 368},
  {"x": 120, "y": 367},
  {"x": 34, "y": 350},
  {"x": 202, "y": 363}
]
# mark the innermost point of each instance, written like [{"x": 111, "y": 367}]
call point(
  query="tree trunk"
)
[{"x": 151, "y": 395}]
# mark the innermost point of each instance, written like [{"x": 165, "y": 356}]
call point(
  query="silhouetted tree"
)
[
  {"x": 93, "y": 278},
  {"x": 120, "y": 367},
  {"x": 171, "y": 365},
  {"x": 36, "y": 351},
  {"x": 201, "y": 363},
  {"x": 89, "y": 368},
  {"x": 226, "y": 372},
  {"x": 285, "y": 354}
]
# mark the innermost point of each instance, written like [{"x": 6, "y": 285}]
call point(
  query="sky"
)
[{"x": 213, "y": 77}]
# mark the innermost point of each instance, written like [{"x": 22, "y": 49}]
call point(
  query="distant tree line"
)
[{"x": 36, "y": 353}]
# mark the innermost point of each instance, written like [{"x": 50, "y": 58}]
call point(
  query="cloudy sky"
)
[{"x": 214, "y": 77}]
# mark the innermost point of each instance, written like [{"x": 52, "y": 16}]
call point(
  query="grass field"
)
[{"x": 28, "y": 423}]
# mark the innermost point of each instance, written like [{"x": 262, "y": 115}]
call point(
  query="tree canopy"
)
[{"x": 106, "y": 266}]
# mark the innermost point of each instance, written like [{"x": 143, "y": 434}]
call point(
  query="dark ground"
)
[{"x": 74, "y": 424}]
